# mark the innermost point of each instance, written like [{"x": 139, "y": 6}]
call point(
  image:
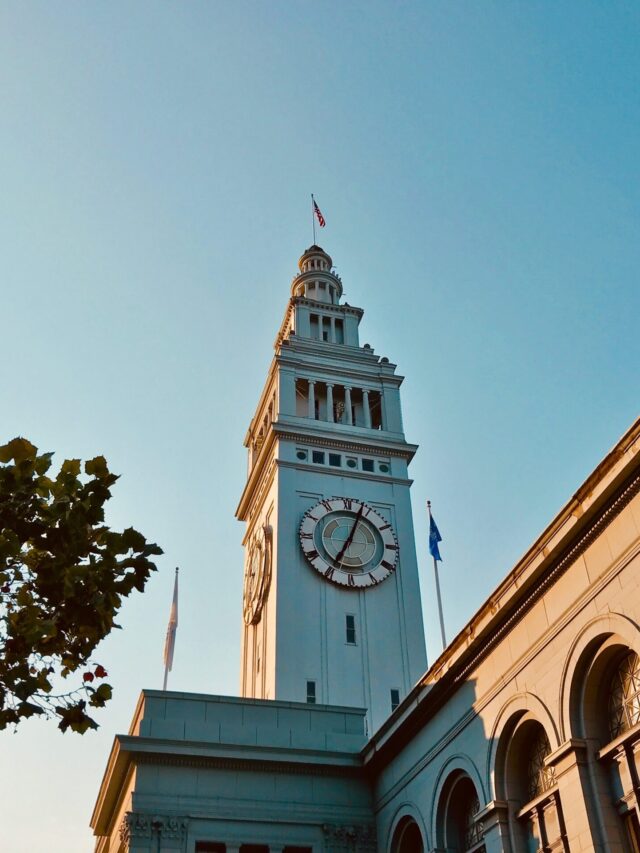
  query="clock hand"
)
[{"x": 338, "y": 559}]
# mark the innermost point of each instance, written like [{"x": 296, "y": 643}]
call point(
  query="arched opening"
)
[
  {"x": 407, "y": 837},
  {"x": 527, "y": 782},
  {"x": 457, "y": 827},
  {"x": 605, "y": 711}
]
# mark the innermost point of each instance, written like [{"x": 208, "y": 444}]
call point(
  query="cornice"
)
[
  {"x": 347, "y": 443},
  {"x": 299, "y": 351},
  {"x": 341, "y": 308},
  {"x": 266, "y": 764}
]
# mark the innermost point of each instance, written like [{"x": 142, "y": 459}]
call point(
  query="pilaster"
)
[
  {"x": 571, "y": 771},
  {"x": 493, "y": 822}
]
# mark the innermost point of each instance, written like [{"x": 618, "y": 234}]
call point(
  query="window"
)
[
  {"x": 539, "y": 777},
  {"x": 301, "y": 454},
  {"x": 395, "y": 699},
  {"x": 457, "y": 829},
  {"x": 384, "y": 467},
  {"x": 624, "y": 695},
  {"x": 367, "y": 465},
  {"x": 318, "y": 457},
  {"x": 352, "y": 463},
  {"x": 351, "y": 629},
  {"x": 210, "y": 847},
  {"x": 335, "y": 459},
  {"x": 325, "y": 336},
  {"x": 311, "y": 692}
]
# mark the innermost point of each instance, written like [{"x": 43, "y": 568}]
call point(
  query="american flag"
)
[{"x": 316, "y": 210}]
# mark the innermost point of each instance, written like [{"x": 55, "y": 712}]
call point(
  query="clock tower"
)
[{"x": 331, "y": 600}]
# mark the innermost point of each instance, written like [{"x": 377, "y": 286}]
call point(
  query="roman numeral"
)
[
  {"x": 384, "y": 527},
  {"x": 326, "y": 505},
  {"x": 351, "y": 581},
  {"x": 311, "y": 555},
  {"x": 373, "y": 580},
  {"x": 310, "y": 536},
  {"x": 393, "y": 547},
  {"x": 388, "y": 566},
  {"x": 347, "y": 502},
  {"x": 329, "y": 573}
]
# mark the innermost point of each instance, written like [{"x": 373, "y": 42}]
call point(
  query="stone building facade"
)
[{"x": 523, "y": 735}]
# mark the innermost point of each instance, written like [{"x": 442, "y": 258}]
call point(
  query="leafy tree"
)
[{"x": 63, "y": 575}]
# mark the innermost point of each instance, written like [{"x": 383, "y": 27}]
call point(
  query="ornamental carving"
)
[
  {"x": 135, "y": 825},
  {"x": 350, "y": 838}
]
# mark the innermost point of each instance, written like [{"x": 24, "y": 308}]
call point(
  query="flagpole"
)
[
  {"x": 313, "y": 220},
  {"x": 435, "y": 572}
]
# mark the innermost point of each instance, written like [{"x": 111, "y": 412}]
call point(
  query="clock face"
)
[
  {"x": 257, "y": 575},
  {"x": 349, "y": 543}
]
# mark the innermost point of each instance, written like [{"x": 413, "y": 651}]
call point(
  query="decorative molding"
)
[
  {"x": 254, "y": 764},
  {"x": 340, "y": 472},
  {"x": 347, "y": 445},
  {"x": 136, "y": 825},
  {"x": 350, "y": 839}
]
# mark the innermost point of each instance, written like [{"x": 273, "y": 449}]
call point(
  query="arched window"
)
[
  {"x": 618, "y": 752},
  {"x": 539, "y": 777},
  {"x": 624, "y": 695},
  {"x": 458, "y": 827},
  {"x": 530, "y": 787},
  {"x": 407, "y": 837}
]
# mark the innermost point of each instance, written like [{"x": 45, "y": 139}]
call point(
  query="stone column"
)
[
  {"x": 570, "y": 765},
  {"x": 493, "y": 820},
  {"x": 312, "y": 400},
  {"x": 367, "y": 409},
  {"x": 329, "y": 402},
  {"x": 347, "y": 405}
]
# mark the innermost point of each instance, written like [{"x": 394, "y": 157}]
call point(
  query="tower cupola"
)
[{"x": 317, "y": 279}]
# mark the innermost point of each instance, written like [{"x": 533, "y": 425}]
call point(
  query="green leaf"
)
[
  {"x": 70, "y": 466},
  {"x": 96, "y": 467},
  {"x": 18, "y": 449}
]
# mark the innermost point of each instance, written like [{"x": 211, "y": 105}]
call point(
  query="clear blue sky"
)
[{"x": 477, "y": 164}]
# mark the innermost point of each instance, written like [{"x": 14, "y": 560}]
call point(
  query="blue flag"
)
[{"x": 434, "y": 538}]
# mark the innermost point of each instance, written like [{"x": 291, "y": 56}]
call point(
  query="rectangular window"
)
[
  {"x": 318, "y": 457},
  {"x": 367, "y": 464},
  {"x": 351, "y": 629},
  {"x": 335, "y": 459},
  {"x": 311, "y": 692},
  {"x": 314, "y": 324},
  {"x": 395, "y": 699},
  {"x": 210, "y": 847},
  {"x": 339, "y": 332}
]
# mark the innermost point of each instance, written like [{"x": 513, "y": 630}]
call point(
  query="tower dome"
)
[{"x": 316, "y": 279}]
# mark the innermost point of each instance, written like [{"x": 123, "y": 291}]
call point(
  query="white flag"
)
[{"x": 170, "y": 642}]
